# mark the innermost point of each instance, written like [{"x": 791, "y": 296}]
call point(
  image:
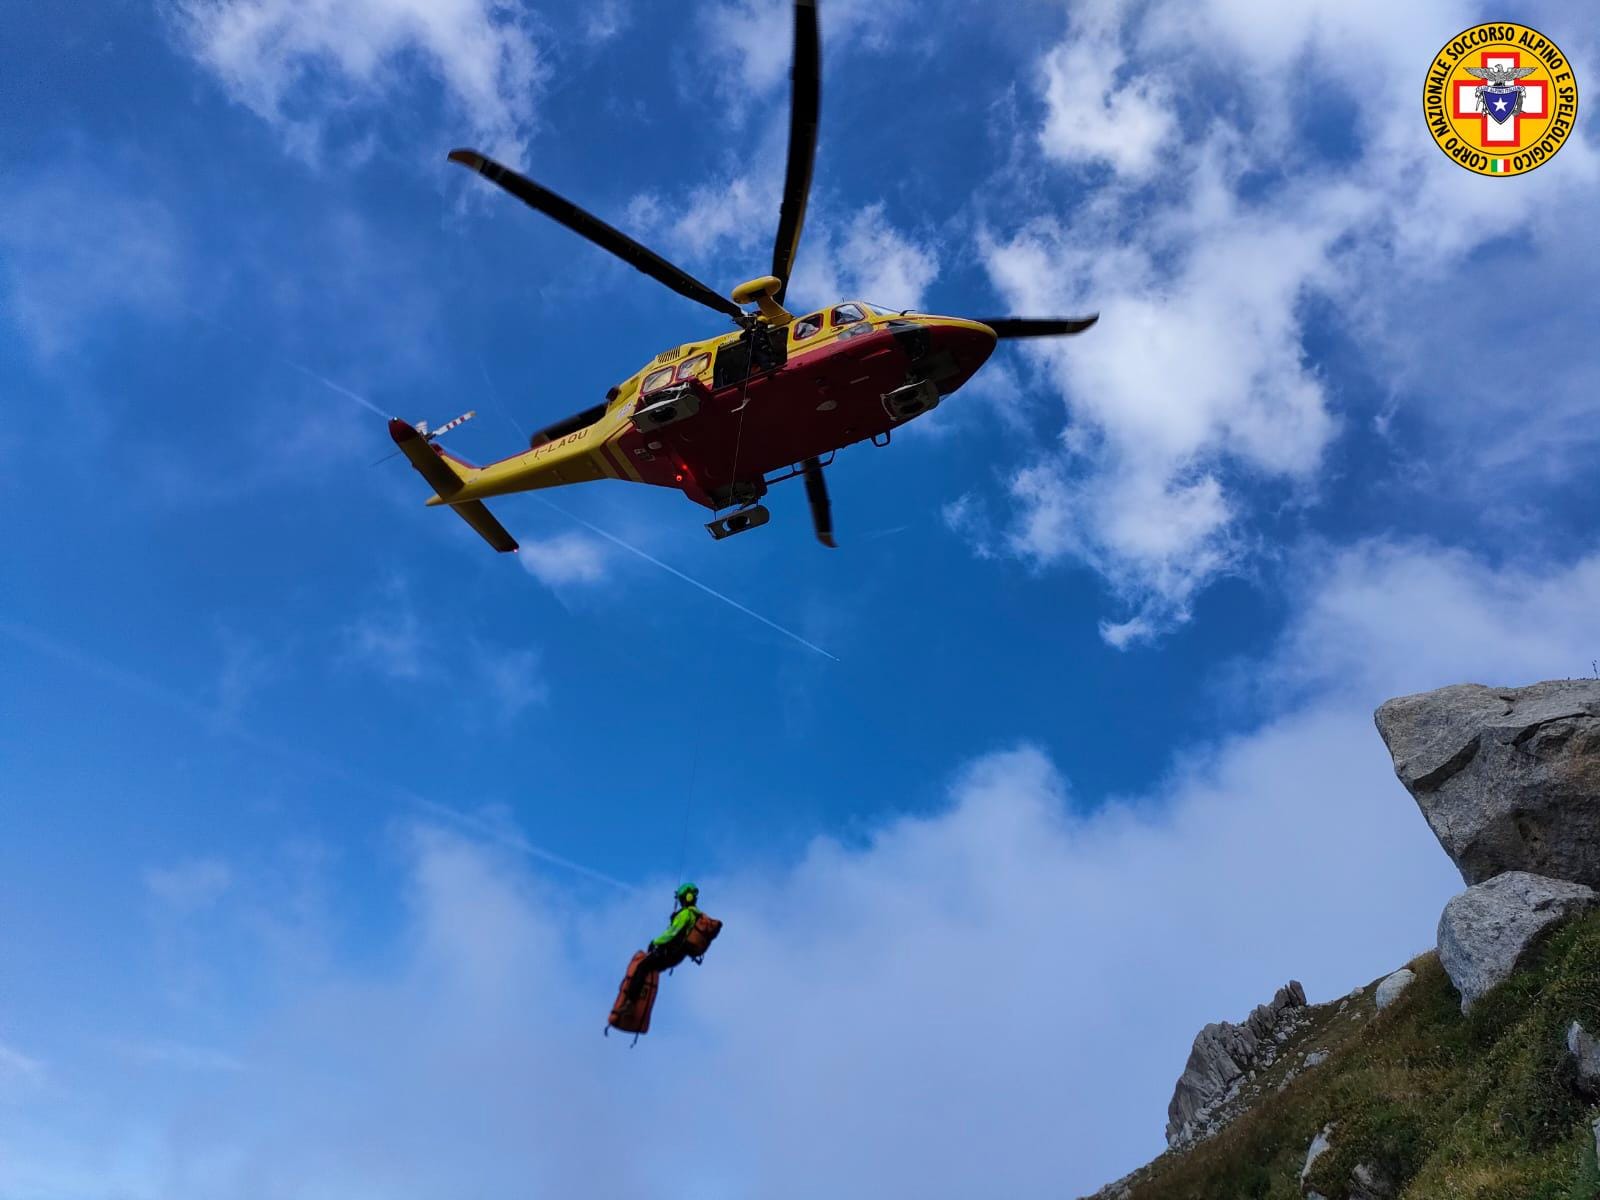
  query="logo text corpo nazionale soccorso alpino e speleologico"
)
[{"x": 1500, "y": 98}]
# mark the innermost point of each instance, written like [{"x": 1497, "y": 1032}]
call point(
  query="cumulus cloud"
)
[
  {"x": 1024, "y": 964},
  {"x": 737, "y": 214},
  {"x": 567, "y": 558},
  {"x": 855, "y": 253},
  {"x": 1195, "y": 403},
  {"x": 1097, "y": 112},
  {"x": 754, "y": 39},
  {"x": 298, "y": 63},
  {"x": 864, "y": 255}
]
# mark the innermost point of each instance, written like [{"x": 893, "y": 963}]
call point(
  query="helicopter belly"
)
[{"x": 839, "y": 393}]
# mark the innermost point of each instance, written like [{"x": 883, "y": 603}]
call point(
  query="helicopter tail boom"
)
[{"x": 446, "y": 481}]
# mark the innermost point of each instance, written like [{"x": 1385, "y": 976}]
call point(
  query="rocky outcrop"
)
[
  {"x": 1488, "y": 931},
  {"x": 1389, "y": 990},
  {"x": 1223, "y": 1056},
  {"x": 1508, "y": 778},
  {"x": 1320, "y": 1145},
  {"x": 1366, "y": 1181},
  {"x": 1584, "y": 1053}
]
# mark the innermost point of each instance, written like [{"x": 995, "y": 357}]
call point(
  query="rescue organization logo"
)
[{"x": 1500, "y": 99}]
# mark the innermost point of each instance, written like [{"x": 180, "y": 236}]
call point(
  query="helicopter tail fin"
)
[{"x": 446, "y": 479}]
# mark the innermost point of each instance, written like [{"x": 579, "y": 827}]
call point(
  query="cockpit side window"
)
[
  {"x": 848, "y": 314},
  {"x": 807, "y": 327},
  {"x": 690, "y": 367}
]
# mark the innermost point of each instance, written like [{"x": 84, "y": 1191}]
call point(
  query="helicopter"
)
[{"x": 724, "y": 418}]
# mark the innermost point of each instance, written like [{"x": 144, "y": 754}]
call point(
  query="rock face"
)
[
  {"x": 1320, "y": 1145},
  {"x": 1222, "y": 1056},
  {"x": 1487, "y": 931},
  {"x": 1508, "y": 778},
  {"x": 1389, "y": 990},
  {"x": 1366, "y": 1181},
  {"x": 1585, "y": 1052}
]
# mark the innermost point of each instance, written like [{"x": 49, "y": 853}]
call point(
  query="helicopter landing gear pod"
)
[
  {"x": 745, "y": 518},
  {"x": 911, "y": 400}
]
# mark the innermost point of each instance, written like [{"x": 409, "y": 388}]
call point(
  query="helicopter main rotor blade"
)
[
  {"x": 805, "y": 106},
  {"x": 586, "y": 224},
  {"x": 1024, "y": 327},
  {"x": 817, "y": 496}
]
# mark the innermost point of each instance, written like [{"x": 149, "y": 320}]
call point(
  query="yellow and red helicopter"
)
[{"x": 723, "y": 418}]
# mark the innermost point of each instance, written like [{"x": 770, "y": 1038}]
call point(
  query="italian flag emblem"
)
[{"x": 1499, "y": 166}]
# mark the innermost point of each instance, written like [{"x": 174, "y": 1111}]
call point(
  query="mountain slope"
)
[{"x": 1427, "y": 1103}]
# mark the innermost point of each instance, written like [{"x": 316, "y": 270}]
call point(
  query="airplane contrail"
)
[
  {"x": 294, "y": 366},
  {"x": 516, "y": 841},
  {"x": 332, "y": 386},
  {"x": 108, "y": 672},
  {"x": 710, "y": 591}
]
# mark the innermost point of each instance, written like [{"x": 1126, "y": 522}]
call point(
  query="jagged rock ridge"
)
[{"x": 1224, "y": 1054}]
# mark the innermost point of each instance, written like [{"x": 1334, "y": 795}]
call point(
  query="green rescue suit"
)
[{"x": 663, "y": 952}]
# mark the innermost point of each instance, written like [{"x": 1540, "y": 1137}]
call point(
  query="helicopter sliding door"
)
[{"x": 733, "y": 360}]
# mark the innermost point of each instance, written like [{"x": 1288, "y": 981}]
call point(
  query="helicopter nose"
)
[{"x": 967, "y": 342}]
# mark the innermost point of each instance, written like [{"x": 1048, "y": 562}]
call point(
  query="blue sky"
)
[{"x": 327, "y": 831}]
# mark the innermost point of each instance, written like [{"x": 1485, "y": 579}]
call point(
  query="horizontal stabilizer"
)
[
  {"x": 474, "y": 513},
  {"x": 446, "y": 481}
]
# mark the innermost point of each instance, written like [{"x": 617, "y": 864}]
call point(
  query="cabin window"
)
[
  {"x": 656, "y": 379},
  {"x": 848, "y": 314},
  {"x": 733, "y": 357},
  {"x": 693, "y": 366},
  {"x": 807, "y": 327}
]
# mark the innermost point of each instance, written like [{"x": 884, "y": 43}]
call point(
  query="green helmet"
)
[{"x": 684, "y": 892}]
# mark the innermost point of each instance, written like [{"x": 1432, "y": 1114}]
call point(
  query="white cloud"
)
[
  {"x": 737, "y": 214},
  {"x": 756, "y": 39},
  {"x": 297, "y": 63},
  {"x": 1393, "y": 616},
  {"x": 511, "y": 681},
  {"x": 392, "y": 642},
  {"x": 1099, "y": 113},
  {"x": 730, "y": 224},
  {"x": 1195, "y": 402},
  {"x": 864, "y": 256},
  {"x": 565, "y": 559},
  {"x": 77, "y": 247},
  {"x": 190, "y": 886},
  {"x": 943, "y": 970},
  {"x": 968, "y": 518}
]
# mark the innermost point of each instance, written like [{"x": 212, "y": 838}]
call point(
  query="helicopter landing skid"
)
[{"x": 738, "y": 522}]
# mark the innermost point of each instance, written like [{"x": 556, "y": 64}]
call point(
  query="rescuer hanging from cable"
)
[{"x": 688, "y": 935}]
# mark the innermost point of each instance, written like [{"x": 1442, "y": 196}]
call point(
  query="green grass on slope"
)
[{"x": 1480, "y": 1107}]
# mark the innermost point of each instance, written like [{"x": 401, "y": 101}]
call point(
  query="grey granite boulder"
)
[
  {"x": 1320, "y": 1145},
  {"x": 1222, "y": 1055},
  {"x": 1366, "y": 1182},
  {"x": 1585, "y": 1053},
  {"x": 1508, "y": 778},
  {"x": 1389, "y": 990},
  {"x": 1487, "y": 931}
]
